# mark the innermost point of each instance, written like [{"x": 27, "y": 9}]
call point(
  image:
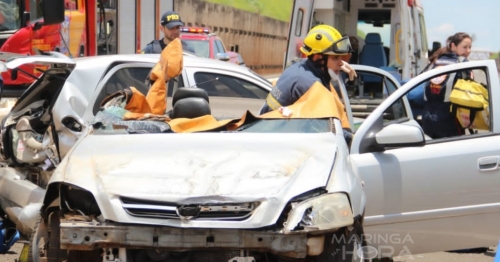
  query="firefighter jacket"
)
[{"x": 295, "y": 81}]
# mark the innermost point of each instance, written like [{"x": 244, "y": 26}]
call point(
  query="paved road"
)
[{"x": 484, "y": 255}]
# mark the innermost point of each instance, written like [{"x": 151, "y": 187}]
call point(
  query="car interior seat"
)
[
  {"x": 373, "y": 54},
  {"x": 190, "y": 102}
]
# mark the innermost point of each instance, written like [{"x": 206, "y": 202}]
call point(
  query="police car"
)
[{"x": 207, "y": 44}]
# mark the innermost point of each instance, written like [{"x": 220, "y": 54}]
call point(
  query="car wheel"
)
[
  {"x": 44, "y": 244},
  {"x": 343, "y": 245}
]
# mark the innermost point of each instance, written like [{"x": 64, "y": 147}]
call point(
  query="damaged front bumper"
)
[{"x": 89, "y": 235}]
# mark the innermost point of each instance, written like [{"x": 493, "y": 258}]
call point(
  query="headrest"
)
[
  {"x": 373, "y": 38},
  {"x": 190, "y": 107},
  {"x": 183, "y": 92}
]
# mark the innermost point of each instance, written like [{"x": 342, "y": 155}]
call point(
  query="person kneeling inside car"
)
[{"x": 324, "y": 47}]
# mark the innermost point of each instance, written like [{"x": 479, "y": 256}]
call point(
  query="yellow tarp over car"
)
[
  {"x": 169, "y": 66},
  {"x": 317, "y": 102}
]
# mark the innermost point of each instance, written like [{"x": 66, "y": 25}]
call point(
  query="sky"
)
[{"x": 478, "y": 18}]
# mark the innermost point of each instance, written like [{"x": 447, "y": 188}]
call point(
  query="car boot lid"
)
[{"x": 55, "y": 60}]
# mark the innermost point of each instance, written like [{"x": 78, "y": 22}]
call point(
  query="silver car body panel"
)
[
  {"x": 75, "y": 101},
  {"x": 76, "y": 98},
  {"x": 433, "y": 197},
  {"x": 217, "y": 168}
]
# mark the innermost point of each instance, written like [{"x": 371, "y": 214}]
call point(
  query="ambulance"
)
[{"x": 391, "y": 34}]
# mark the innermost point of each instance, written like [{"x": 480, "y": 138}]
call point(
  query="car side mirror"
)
[
  {"x": 396, "y": 135},
  {"x": 53, "y": 11},
  {"x": 435, "y": 46},
  {"x": 223, "y": 57},
  {"x": 25, "y": 18}
]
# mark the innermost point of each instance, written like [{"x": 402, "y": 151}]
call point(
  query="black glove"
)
[{"x": 347, "y": 136}]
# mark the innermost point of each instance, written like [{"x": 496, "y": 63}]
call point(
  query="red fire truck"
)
[{"x": 76, "y": 28}]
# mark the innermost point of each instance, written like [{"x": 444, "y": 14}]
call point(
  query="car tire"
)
[
  {"x": 44, "y": 244},
  {"x": 41, "y": 237}
]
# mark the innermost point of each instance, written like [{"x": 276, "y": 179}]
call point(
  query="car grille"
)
[{"x": 223, "y": 211}]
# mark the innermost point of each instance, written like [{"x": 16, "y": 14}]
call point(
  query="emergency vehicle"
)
[
  {"x": 394, "y": 29},
  {"x": 207, "y": 44},
  {"x": 77, "y": 28}
]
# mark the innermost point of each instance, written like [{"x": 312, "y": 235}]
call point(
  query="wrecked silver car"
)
[{"x": 268, "y": 188}]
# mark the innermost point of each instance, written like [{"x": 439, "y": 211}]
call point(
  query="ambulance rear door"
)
[{"x": 299, "y": 26}]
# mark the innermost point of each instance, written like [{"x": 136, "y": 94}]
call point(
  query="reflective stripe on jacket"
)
[{"x": 294, "y": 82}]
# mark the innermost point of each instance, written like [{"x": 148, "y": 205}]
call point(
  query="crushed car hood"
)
[{"x": 184, "y": 168}]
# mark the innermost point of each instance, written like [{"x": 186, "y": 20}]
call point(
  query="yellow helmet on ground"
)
[{"x": 324, "y": 39}]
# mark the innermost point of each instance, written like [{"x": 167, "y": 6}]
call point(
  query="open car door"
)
[
  {"x": 365, "y": 92},
  {"x": 31, "y": 115},
  {"x": 426, "y": 195}
]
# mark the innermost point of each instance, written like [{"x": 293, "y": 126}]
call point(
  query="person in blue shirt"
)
[
  {"x": 437, "y": 120},
  {"x": 324, "y": 47},
  {"x": 171, "y": 27}
]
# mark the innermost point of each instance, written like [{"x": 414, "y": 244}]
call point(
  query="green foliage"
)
[
  {"x": 495, "y": 55},
  {"x": 276, "y": 9},
  {"x": 361, "y": 34}
]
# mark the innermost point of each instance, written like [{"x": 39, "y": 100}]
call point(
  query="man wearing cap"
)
[{"x": 171, "y": 26}]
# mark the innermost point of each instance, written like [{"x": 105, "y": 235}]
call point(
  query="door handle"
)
[{"x": 488, "y": 163}]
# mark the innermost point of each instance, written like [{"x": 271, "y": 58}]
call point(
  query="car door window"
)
[
  {"x": 219, "y": 46},
  {"x": 367, "y": 91},
  {"x": 228, "y": 86},
  {"x": 433, "y": 119},
  {"x": 121, "y": 79}
]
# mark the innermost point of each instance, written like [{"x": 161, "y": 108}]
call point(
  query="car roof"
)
[{"x": 188, "y": 61}]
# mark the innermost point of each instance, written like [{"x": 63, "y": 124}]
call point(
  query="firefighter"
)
[
  {"x": 324, "y": 47},
  {"x": 171, "y": 26}
]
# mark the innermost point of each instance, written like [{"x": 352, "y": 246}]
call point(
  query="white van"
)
[{"x": 391, "y": 33}]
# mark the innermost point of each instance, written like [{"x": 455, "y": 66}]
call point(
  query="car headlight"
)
[
  {"x": 327, "y": 211},
  {"x": 78, "y": 201}
]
